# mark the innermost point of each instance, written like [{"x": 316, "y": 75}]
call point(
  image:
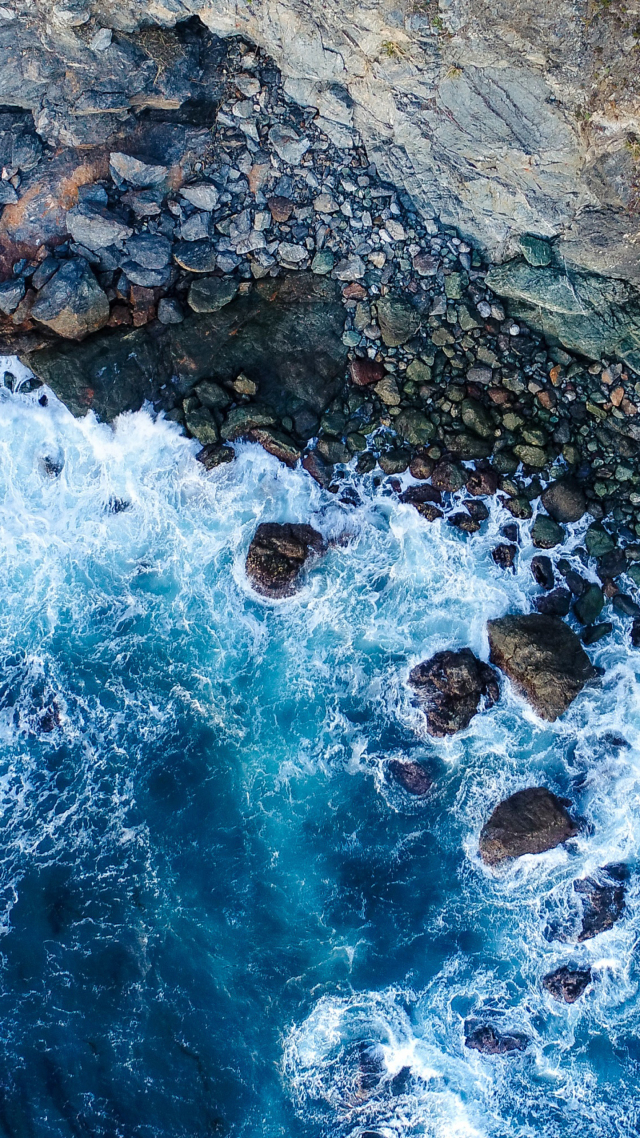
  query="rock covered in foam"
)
[
  {"x": 276, "y": 555},
  {"x": 603, "y": 900},
  {"x": 411, "y": 776},
  {"x": 450, "y": 687},
  {"x": 531, "y": 821},
  {"x": 543, "y": 658}
]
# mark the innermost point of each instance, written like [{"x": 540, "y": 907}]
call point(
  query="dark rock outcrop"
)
[
  {"x": 603, "y": 900},
  {"x": 567, "y": 984},
  {"x": 450, "y": 687},
  {"x": 531, "y": 821},
  {"x": 411, "y": 776},
  {"x": 276, "y": 555},
  {"x": 543, "y": 658},
  {"x": 564, "y": 500},
  {"x": 483, "y": 1037}
]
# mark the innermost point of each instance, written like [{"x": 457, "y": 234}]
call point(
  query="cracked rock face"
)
[{"x": 504, "y": 120}]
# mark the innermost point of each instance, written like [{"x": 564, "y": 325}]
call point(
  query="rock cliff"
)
[{"x": 502, "y": 118}]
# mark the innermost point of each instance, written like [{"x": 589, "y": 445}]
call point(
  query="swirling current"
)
[{"x": 219, "y": 915}]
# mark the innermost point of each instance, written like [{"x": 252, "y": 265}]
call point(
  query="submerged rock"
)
[
  {"x": 277, "y": 553},
  {"x": 543, "y": 658},
  {"x": 483, "y": 1037},
  {"x": 531, "y": 821},
  {"x": 603, "y": 900},
  {"x": 505, "y": 556},
  {"x": 411, "y": 775},
  {"x": 567, "y": 984},
  {"x": 450, "y": 687}
]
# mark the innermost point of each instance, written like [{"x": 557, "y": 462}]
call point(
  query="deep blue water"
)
[{"x": 218, "y": 915}]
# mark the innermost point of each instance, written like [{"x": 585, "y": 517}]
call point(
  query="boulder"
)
[
  {"x": 483, "y": 1037},
  {"x": 542, "y": 571},
  {"x": 208, "y": 294},
  {"x": 505, "y": 556},
  {"x": 72, "y": 303},
  {"x": 589, "y": 604},
  {"x": 567, "y": 984},
  {"x": 411, "y": 776},
  {"x": 531, "y": 821},
  {"x": 450, "y": 687},
  {"x": 543, "y": 658},
  {"x": 545, "y": 533},
  {"x": 277, "y": 554},
  {"x": 564, "y": 501},
  {"x": 555, "y": 603},
  {"x": 603, "y": 900},
  {"x": 448, "y": 476},
  {"x": 214, "y": 455}
]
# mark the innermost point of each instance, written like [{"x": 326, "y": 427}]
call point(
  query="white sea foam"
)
[{"x": 166, "y": 575}]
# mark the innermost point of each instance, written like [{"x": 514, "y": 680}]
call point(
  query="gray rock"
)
[
  {"x": 72, "y": 303},
  {"x": 208, "y": 294},
  {"x": 603, "y": 900},
  {"x": 170, "y": 311},
  {"x": 11, "y": 293},
  {"x": 196, "y": 256},
  {"x": 8, "y": 195},
  {"x": 543, "y": 658},
  {"x": 201, "y": 425},
  {"x": 195, "y": 228},
  {"x": 147, "y": 278},
  {"x": 288, "y": 144},
  {"x": 531, "y": 821},
  {"x": 136, "y": 172},
  {"x": 149, "y": 250},
  {"x": 95, "y": 227},
  {"x": 203, "y": 195}
]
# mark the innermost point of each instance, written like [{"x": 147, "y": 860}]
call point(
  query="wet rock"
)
[
  {"x": 567, "y": 984},
  {"x": 475, "y": 417},
  {"x": 51, "y": 467},
  {"x": 564, "y": 501},
  {"x": 448, "y": 477},
  {"x": 249, "y": 417},
  {"x": 277, "y": 554},
  {"x": 208, "y": 294},
  {"x": 412, "y": 776},
  {"x": 611, "y": 565},
  {"x": 555, "y": 603},
  {"x": 213, "y": 396},
  {"x": 595, "y": 632},
  {"x": 72, "y": 303},
  {"x": 421, "y": 466},
  {"x": 505, "y": 556},
  {"x": 545, "y": 533},
  {"x": 574, "y": 580},
  {"x": 589, "y": 605},
  {"x": 394, "y": 461},
  {"x": 277, "y": 443},
  {"x": 414, "y": 427},
  {"x": 542, "y": 571},
  {"x": 603, "y": 900},
  {"x": 635, "y": 634},
  {"x": 214, "y": 455},
  {"x": 543, "y": 658},
  {"x": 519, "y": 507},
  {"x": 464, "y": 521},
  {"x": 483, "y": 482},
  {"x": 398, "y": 320},
  {"x": 201, "y": 424},
  {"x": 598, "y": 541},
  {"x": 625, "y": 606},
  {"x": 531, "y": 821},
  {"x": 318, "y": 469},
  {"x": 451, "y": 687},
  {"x": 483, "y": 1037}
]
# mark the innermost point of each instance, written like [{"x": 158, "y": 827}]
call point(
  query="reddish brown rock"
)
[
  {"x": 450, "y": 687},
  {"x": 365, "y": 372},
  {"x": 531, "y": 821},
  {"x": 411, "y": 776},
  {"x": 277, "y": 554},
  {"x": 543, "y": 658}
]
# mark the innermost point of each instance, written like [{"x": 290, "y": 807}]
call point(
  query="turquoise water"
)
[{"x": 218, "y": 914}]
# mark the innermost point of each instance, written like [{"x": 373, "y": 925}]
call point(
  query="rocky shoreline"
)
[{"x": 184, "y": 229}]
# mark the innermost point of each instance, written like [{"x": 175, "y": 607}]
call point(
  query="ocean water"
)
[{"x": 218, "y": 915}]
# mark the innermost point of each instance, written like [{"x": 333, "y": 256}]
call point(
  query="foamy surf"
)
[{"x": 203, "y": 859}]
